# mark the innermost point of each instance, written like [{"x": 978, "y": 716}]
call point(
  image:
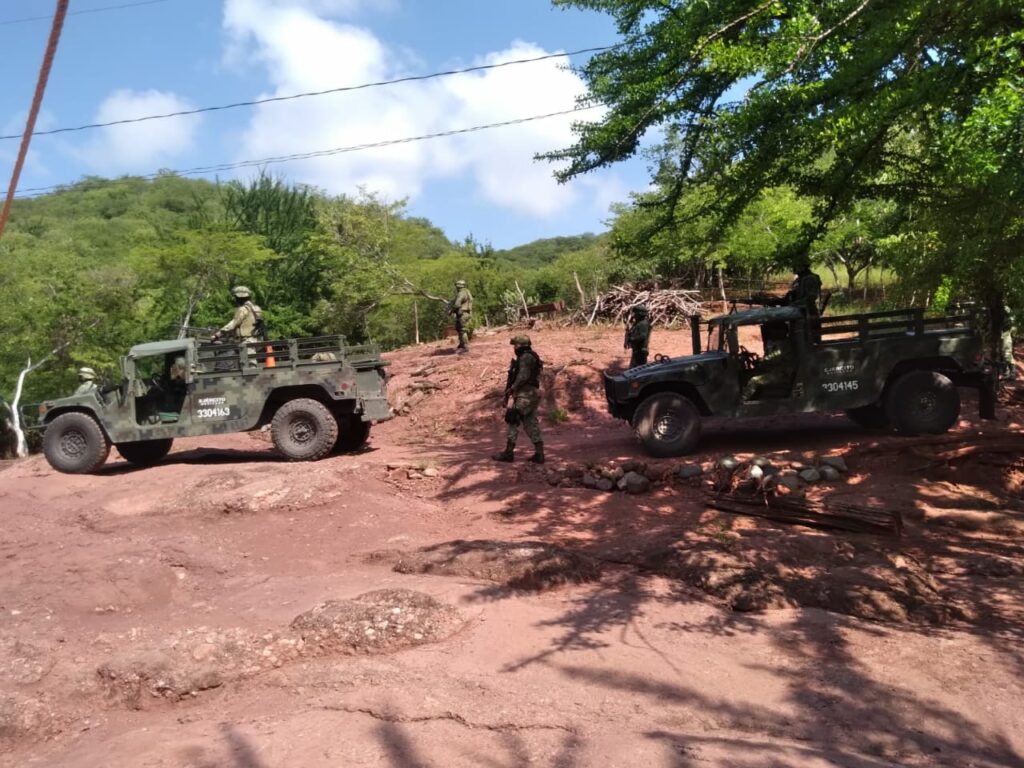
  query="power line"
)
[
  {"x": 82, "y": 12},
  {"x": 37, "y": 191},
  {"x": 307, "y": 94}
]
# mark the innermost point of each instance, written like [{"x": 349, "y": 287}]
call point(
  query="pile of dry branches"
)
[{"x": 665, "y": 306}]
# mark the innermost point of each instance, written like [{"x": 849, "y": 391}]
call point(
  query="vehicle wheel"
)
[
  {"x": 668, "y": 424},
  {"x": 923, "y": 402},
  {"x": 304, "y": 430},
  {"x": 869, "y": 416},
  {"x": 352, "y": 435},
  {"x": 145, "y": 453},
  {"x": 75, "y": 443}
]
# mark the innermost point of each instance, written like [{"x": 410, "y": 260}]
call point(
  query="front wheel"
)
[
  {"x": 353, "y": 434},
  {"x": 923, "y": 402},
  {"x": 145, "y": 453},
  {"x": 75, "y": 443},
  {"x": 304, "y": 430},
  {"x": 668, "y": 424}
]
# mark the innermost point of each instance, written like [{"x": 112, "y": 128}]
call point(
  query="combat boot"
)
[
  {"x": 538, "y": 453},
  {"x": 508, "y": 455}
]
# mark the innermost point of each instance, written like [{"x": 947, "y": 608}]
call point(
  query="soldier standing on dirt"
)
[
  {"x": 523, "y": 387},
  {"x": 87, "y": 381},
  {"x": 247, "y": 324},
  {"x": 805, "y": 292},
  {"x": 1006, "y": 360},
  {"x": 461, "y": 307},
  {"x": 638, "y": 336}
]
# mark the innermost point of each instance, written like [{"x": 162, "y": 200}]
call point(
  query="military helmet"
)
[
  {"x": 460, "y": 283},
  {"x": 520, "y": 341},
  {"x": 801, "y": 263},
  {"x": 241, "y": 292},
  {"x": 640, "y": 309},
  {"x": 86, "y": 374}
]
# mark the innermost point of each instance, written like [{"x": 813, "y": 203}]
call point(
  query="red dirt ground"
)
[{"x": 165, "y": 617}]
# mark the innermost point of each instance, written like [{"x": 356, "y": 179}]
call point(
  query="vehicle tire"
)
[
  {"x": 870, "y": 416},
  {"x": 145, "y": 453},
  {"x": 304, "y": 430},
  {"x": 923, "y": 402},
  {"x": 667, "y": 424},
  {"x": 75, "y": 443},
  {"x": 353, "y": 433}
]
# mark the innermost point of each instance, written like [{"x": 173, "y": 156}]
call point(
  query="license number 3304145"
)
[
  {"x": 213, "y": 413},
  {"x": 841, "y": 386}
]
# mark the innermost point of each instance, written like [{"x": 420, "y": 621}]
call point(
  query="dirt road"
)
[{"x": 418, "y": 605}]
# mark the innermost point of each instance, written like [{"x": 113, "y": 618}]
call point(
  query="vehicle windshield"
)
[{"x": 714, "y": 338}]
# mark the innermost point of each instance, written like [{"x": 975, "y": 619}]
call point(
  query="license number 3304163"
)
[
  {"x": 841, "y": 386},
  {"x": 221, "y": 412}
]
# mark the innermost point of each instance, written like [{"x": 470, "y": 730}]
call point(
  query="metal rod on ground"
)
[{"x": 37, "y": 101}]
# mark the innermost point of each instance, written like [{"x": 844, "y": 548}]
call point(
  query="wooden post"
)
[
  {"x": 583, "y": 296},
  {"x": 416, "y": 319},
  {"x": 522, "y": 297}
]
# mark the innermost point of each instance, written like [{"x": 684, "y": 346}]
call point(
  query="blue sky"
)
[{"x": 181, "y": 54}]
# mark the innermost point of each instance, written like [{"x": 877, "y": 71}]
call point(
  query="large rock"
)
[
  {"x": 837, "y": 462},
  {"x": 589, "y": 481},
  {"x": 810, "y": 476},
  {"x": 604, "y": 484},
  {"x": 634, "y": 483},
  {"x": 689, "y": 471},
  {"x": 829, "y": 474}
]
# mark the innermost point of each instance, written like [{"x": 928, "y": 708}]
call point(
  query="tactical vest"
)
[{"x": 534, "y": 380}]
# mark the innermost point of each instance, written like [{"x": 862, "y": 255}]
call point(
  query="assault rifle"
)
[
  {"x": 757, "y": 300},
  {"x": 198, "y": 331},
  {"x": 511, "y": 414}
]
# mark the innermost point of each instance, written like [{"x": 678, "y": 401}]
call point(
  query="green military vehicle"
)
[
  {"x": 317, "y": 395},
  {"x": 897, "y": 369}
]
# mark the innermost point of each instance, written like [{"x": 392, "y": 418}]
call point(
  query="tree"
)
[
  {"x": 920, "y": 102},
  {"x": 856, "y": 240}
]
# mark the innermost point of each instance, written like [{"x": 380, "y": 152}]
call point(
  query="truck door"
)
[{"x": 160, "y": 389}]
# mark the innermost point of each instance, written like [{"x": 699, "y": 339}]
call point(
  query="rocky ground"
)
[{"x": 418, "y": 605}]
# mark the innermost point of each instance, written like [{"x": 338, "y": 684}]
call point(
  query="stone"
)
[
  {"x": 790, "y": 482},
  {"x": 728, "y": 463},
  {"x": 635, "y": 483},
  {"x": 639, "y": 467},
  {"x": 688, "y": 471},
  {"x": 589, "y": 481},
  {"x": 760, "y": 461},
  {"x": 414, "y": 475},
  {"x": 617, "y": 474},
  {"x": 604, "y": 484},
  {"x": 836, "y": 462},
  {"x": 431, "y": 472},
  {"x": 810, "y": 476},
  {"x": 829, "y": 473},
  {"x": 770, "y": 470},
  {"x": 754, "y": 472}
]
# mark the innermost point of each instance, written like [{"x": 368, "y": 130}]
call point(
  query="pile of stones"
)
[{"x": 761, "y": 474}]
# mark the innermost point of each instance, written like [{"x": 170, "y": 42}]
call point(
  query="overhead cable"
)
[
  {"x": 82, "y": 12},
  {"x": 307, "y": 94},
  {"x": 37, "y": 191}
]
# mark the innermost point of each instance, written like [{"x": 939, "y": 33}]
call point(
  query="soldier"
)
[
  {"x": 638, "y": 336},
  {"x": 774, "y": 371},
  {"x": 87, "y": 379},
  {"x": 1006, "y": 359},
  {"x": 805, "y": 292},
  {"x": 247, "y": 324},
  {"x": 523, "y": 386},
  {"x": 461, "y": 307}
]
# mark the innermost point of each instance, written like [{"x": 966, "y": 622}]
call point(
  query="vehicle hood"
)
[{"x": 675, "y": 366}]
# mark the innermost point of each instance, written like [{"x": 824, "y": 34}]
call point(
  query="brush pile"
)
[{"x": 665, "y": 306}]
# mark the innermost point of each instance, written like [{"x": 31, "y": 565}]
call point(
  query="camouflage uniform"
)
[
  {"x": 805, "y": 292},
  {"x": 243, "y": 325},
  {"x": 523, "y": 387},
  {"x": 462, "y": 309},
  {"x": 775, "y": 369},
  {"x": 87, "y": 377},
  {"x": 638, "y": 337}
]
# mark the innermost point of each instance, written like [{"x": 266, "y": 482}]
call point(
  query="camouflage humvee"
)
[
  {"x": 316, "y": 394},
  {"x": 895, "y": 369}
]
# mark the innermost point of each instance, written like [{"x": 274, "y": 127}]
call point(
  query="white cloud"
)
[
  {"x": 303, "y": 51},
  {"x": 139, "y": 147}
]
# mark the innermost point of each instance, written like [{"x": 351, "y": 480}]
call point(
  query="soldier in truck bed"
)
[{"x": 247, "y": 323}]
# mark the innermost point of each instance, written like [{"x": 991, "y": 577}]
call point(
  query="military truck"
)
[
  {"x": 317, "y": 395},
  {"x": 897, "y": 369}
]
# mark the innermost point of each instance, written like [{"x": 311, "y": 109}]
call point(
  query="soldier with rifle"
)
[
  {"x": 638, "y": 336},
  {"x": 461, "y": 308},
  {"x": 523, "y": 387},
  {"x": 804, "y": 292},
  {"x": 247, "y": 324}
]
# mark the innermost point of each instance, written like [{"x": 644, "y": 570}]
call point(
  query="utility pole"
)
[{"x": 33, "y": 113}]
